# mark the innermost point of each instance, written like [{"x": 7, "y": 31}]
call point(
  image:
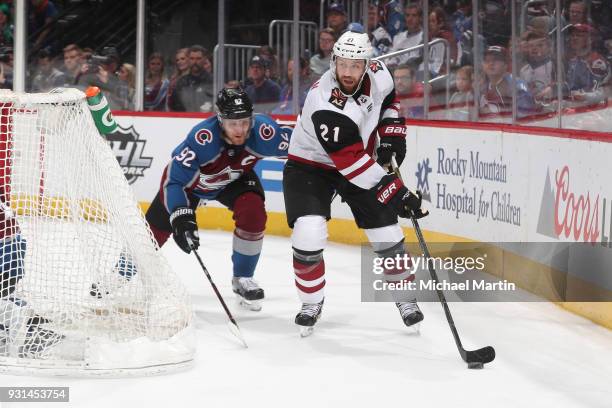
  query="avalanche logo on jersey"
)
[
  {"x": 375, "y": 66},
  {"x": 338, "y": 99},
  {"x": 266, "y": 132},
  {"x": 212, "y": 182},
  {"x": 203, "y": 136}
]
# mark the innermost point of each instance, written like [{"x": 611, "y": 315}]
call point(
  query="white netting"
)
[{"x": 83, "y": 288}]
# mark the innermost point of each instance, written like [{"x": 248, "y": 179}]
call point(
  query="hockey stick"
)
[
  {"x": 232, "y": 325},
  {"x": 474, "y": 358}
]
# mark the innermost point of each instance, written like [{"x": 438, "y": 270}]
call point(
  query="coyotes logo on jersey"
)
[
  {"x": 338, "y": 99},
  {"x": 375, "y": 66}
]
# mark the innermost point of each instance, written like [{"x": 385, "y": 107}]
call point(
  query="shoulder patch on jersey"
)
[
  {"x": 338, "y": 99},
  {"x": 375, "y": 66},
  {"x": 313, "y": 86},
  {"x": 266, "y": 132},
  {"x": 203, "y": 136}
]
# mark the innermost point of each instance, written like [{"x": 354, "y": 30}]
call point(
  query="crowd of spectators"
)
[
  {"x": 586, "y": 32},
  {"x": 478, "y": 86}
]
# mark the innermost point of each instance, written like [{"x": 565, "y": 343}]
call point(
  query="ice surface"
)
[{"x": 360, "y": 353}]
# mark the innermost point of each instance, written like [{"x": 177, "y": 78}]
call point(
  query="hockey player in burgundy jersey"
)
[
  {"x": 215, "y": 162},
  {"x": 332, "y": 151}
]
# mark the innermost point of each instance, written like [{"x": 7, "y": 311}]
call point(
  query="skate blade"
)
[
  {"x": 306, "y": 331},
  {"x": 252, "y": 305},
  {"x": 415, "y": 329}
]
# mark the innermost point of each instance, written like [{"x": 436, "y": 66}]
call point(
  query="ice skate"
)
[
  {"x": 308, "y": 316},
  {"x": 122, "y": 273},
  {"x": 248, "y": 293},
  {"x": 107, "y": 288},
  {"x": 38, "y": 340},
  {"x": 411, "y": 314}
]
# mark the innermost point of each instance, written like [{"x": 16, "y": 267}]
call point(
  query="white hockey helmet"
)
[{"x": 351, "y": 45}]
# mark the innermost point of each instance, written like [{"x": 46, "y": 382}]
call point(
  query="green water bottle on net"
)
[{"x": 98, "y": 105}]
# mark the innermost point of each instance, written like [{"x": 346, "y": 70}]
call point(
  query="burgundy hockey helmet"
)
[{"x": 234, "y": 103}]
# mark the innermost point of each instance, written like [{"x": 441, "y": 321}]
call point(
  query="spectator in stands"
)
[
  {"x": 6, "y": 68},
  {"x": 380, "y": 38},
  {"x": 461, "y": 103},
  {"x": 412, "y": 37},
  {"x": 587, "y": 70},
  {"x": 272, "y": 65},
  {"x": 286, "y": 96},
  {"x": 208, "y": 64},
  {"x": 181, "y": 68},
  {"x": 539, "y": 71},
  {"x": 601, "y": 16},
  {"x": 466, "y": 48},
  {"x": 100, "y": 70},
  {"x": 438, "y": 28},
  {"x": 47, "y": 76},
  {"x": 127, "y": 73},
  {"x": 193, "y": 91},
  {"x": 41, "y": 14},
  {"x": 234, "y": 84},
  {"x": 337, "y": 18},
  {"x": 113, "y": 60},
  {"x": 6, "y": 28},
  {"x": 408, "y": 91},
  {"x": 262, "y": 91},
  {"x": 391, "y": 17},
  {"x": 72, "y": 65},
  {"x": 86, "y": 54},
  {"x": 462, "y": 18},
  {"x": 577, "y": 12},
  {"x": 496, "y": 22},
  {"x": 319, "y": 63},
  {"x": 156, "y": 84},
  {"x": 496, "y": 87}
]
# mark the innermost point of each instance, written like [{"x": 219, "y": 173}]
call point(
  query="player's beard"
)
[{"x": 348, "y": 89}]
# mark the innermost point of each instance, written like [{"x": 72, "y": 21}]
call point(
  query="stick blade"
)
[
  {"x": 483, "y": 355},
  {"x": 233, "y": 328}
]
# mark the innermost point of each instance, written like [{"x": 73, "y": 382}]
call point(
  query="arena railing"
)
[{"x": 445, "y": 77}]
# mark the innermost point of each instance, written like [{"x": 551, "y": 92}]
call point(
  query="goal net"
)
[{"x": 83, "y": 286}]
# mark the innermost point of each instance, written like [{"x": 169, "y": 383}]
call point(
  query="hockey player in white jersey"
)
[{"x": 332, "y": 151}]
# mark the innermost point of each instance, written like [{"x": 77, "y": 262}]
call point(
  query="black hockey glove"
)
[
  {"x": 392, "y": 133},
  {"x": 185, "y": 229},
  {"x": 391, "y": 191}
]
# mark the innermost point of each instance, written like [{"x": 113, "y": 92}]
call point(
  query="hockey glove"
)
[
  {"x": 392, "y": 133},
  {"x": 185, "y": 229},
  {"x": 391, "y": 191}
]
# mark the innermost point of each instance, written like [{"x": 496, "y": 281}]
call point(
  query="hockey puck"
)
[{"x": 475, "y": 365}]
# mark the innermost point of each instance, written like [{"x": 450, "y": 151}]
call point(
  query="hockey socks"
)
[{"x": 309, "y": 269}]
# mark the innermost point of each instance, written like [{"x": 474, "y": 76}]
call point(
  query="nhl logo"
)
[{"x": 128, "y": 148}]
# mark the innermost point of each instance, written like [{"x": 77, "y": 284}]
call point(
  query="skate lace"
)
[
  {"x": 248, "y": 284},
  {"x": 407, "y": 308},
  {"x": 310, "y": 309}
]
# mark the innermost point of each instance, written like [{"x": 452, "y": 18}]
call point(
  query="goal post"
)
[{"x": 69, "y": 222}]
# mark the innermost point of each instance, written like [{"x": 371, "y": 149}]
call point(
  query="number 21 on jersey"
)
[{"x": 325, "y": 130}]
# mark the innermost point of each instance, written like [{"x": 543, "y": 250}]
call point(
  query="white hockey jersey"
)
[{"x": 335, "y": 131}]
